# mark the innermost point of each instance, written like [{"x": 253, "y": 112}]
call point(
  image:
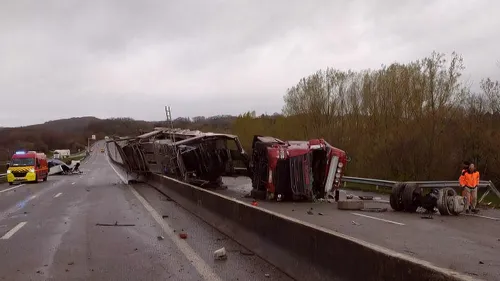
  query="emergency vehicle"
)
[{"x": 28, "y": 166}]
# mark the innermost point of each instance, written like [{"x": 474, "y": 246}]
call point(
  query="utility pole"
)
[{"x": 168, "y": 112}]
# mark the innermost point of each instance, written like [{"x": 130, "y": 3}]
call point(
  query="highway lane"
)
[
  {"x": 48, "y": 231},
  {"x": 463, "y": 243}
]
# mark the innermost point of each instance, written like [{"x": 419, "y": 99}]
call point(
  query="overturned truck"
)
[
  {"x": 279, "y": 170},
  {"x": 295, "y": 170}
]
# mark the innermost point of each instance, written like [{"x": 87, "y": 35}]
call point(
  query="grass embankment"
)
[{"x": 491, "y": 197}]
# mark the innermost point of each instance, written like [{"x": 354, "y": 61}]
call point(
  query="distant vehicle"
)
[
  {"x": 28, "y": 166},
  {"x": 61, "y": 153}
]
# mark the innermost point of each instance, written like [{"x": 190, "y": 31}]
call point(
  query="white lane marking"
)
[
  {"x": 13, "y": 231},
  {"x": 484, "y": 217},
  {"x": 124, "y": 180},
  {"x": 375, "y": 218},
  {"x": 199, "y": 264},
  {"x": 57, "y": 195},
  {"x": 10, "y": 188}
]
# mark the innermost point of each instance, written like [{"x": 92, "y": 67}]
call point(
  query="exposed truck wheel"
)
[
  {"x": 445, "y": 204},
  {"x": 45, "y": 178},
  {"x": 396, "y": 200},
  {"x": 411, "y": 197}
]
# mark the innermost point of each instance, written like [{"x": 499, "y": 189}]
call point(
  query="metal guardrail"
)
[{"x": 424, "y": 184}]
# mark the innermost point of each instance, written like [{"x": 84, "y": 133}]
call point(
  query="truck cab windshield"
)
[{"x": 19, "y": 162}]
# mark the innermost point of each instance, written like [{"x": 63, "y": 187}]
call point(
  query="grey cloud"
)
[{"x": 129, "y": 58}]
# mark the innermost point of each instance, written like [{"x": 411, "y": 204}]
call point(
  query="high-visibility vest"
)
[
  {"x": 471, "y": 179},
  {"x": 461, "y": 179}
]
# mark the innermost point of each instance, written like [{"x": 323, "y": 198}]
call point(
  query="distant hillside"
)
[{"x": 72, "y": 133}]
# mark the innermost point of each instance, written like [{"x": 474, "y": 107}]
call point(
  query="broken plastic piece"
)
[{"x": 220, "y": 254}]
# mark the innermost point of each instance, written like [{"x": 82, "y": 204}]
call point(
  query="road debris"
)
[
  {"x": 310, "y": 212},
  {"x": 115, "y": 224},
  {"x": 374, "y": 210},
  {"x": 160, "y": 237},
  {"x": 220, "y": 254},
  {"x": 480, "y": 262},
  {"x": 355, "y": 223},
  {"x": 246, "y": 253},
  {"x": 183, "y": 235},
  {"x": 365, "y": 197},
  {"x": 320, "y": 214},
  {"x": 267, "y": 275},
  {"x": 164, "y": 216},
  {"x": 71, "y": 263}
]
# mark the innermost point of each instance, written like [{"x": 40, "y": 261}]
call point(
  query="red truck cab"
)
[{"x": 295, "y": 170}]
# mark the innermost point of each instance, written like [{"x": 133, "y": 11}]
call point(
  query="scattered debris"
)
[
  {"x": 136, "y": 249},
  {"x": 375, "y": 210},
  {"x": 67, "y": 270},
  {"x": 71, "y": 263},
  {"x": 45, "y": 265},
  {"x": 160, "y": 237},
  {"x": 310, "y": 212},
  {"x": 349, "y": 196},
  {"x": 25, "y": 212},
  {"x": 355, "y": 223},
  {"x": 267, "y": 275},
  {"x": 320, "y": 214},
  {"x": 220, "y": 254},
  {"x": 246, "y": 253},
  {"x": 183, "y": 235},
  {"x": 254, "y": 203},
  {"x": 164, "y": 216},
  {"x": 427, "y": 217},
  {"x": 115, "y": 224},
  {"x": 364, "y": 197},
  {"x": 480, "y": 262},
  {"x": 39, "y": 272}
]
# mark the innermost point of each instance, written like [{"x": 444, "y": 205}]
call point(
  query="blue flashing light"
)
[{"x": 20, "y": 152}]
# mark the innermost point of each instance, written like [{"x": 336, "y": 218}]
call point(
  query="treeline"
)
[{"x": 413, "y": 121}]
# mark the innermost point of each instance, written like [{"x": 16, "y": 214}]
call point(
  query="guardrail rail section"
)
[{"x": 398, "y": 194}]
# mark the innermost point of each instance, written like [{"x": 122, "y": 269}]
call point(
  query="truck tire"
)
[
  {"x": 395, "y": 199},
  {"x": 442, "y": 204},
  {"x": 45, "y": 178},
  {"x": 411, "y": 197}
]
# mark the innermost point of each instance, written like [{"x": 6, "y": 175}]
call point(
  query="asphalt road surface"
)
[
  {"x": 49, "y": 231},
  {"x": 468, "y": 244}
]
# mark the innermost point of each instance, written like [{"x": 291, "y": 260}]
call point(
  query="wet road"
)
[
  {"x": 468, "y": 244},
  {"x": 49, "y": 231}
]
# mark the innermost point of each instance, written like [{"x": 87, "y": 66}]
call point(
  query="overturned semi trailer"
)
[
  {"x": 191, "y": 156},
  {"x": 279, "y": 170}
]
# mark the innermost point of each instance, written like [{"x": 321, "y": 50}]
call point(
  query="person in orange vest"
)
[
  {"x": 470, "y": 179},
  {"x": 461, "y": 179}
]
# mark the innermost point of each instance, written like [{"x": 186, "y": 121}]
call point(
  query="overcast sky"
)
[{"x": 129, "y": 58}]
